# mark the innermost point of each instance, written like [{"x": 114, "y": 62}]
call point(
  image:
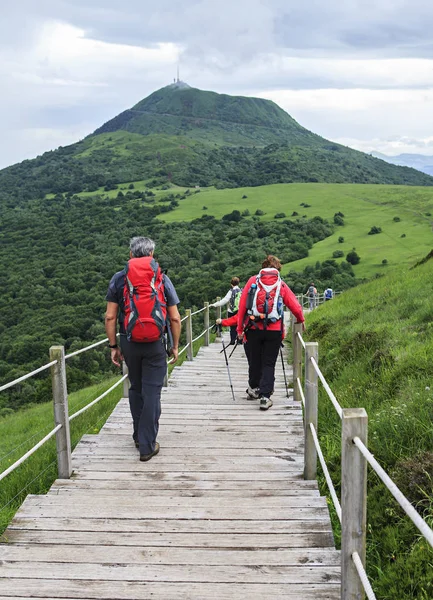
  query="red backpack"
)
[{"x": 145, "y": 309}]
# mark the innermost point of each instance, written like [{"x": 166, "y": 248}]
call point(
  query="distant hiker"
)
[
  {"x": 144, "y": 301},
  {"x": 312, "y": 296},
  {"x": 328, "y": 294},
  {"x": 261, "y": 308},
  {"x": 232, "y": 299}
]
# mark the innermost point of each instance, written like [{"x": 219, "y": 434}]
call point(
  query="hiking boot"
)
[
  {"x": 252, "y": 393},
  {"x": 265, "y": 403},
  {"x": 144, "y": 457}
]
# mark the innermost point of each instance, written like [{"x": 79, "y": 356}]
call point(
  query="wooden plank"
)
[
  {"x": 129, "y": 590},
  {"x": 131, "y": 454},
  {"x": 194, "y": 476},
  {"x": 224, "y": 502},
  {"x": 171, "y": 526},
  {"x": 281, "y": 574},
  {"x": 196, "y": 465},
  {"x": 127, "y": 555},
  {"x": 258, "y": 449},
  {"x": 155, "y": 488},
  {"x": 170, "y": 512},
  {"x": 306, "y": 539}
]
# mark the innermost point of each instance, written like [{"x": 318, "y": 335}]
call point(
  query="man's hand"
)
[
  {"x": 116, "y": 356},
  {"x": 174, "y": 353},
  {"x": 218, "y": 321},
  {"x": 240, "y": 338}
]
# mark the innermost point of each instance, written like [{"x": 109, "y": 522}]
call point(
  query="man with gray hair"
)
[{"x": 144, "y": 302}]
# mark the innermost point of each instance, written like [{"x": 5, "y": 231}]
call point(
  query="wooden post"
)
[
  {"x": 353, "y": 501},
  {"x": 126, "y": 381},
  {"x": 218, "y": 316},
  {"x": 311, "y": 407},
  {"x": 61, "y": 412},
  {"x": 297, "y": 359},
  {"x": 206, "y": 324},
  {"x": 188, "y": 329}
]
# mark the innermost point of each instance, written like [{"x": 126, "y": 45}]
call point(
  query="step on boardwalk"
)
[{"x": 221, "y": 512}]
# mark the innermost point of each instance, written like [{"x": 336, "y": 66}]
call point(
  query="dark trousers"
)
[
  {"x": 147, "y": 366},
  {"x": 233, "y": 334},
  {"x": 263, "y": 349}
]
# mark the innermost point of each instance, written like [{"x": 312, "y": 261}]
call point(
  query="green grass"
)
[
  {"x": 363, "y": 207},
  {"x": 22, "y": 430},
  {"x": 375, "y": 349}
]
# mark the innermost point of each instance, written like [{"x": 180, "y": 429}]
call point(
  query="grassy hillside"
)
[
  {"x": 375, "y": 348},
  {"x": 363, "y": 206}
]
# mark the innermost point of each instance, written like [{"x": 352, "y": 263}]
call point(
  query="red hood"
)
[{"x": 269, "y": 276}]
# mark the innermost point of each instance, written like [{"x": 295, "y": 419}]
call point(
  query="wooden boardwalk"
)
[{"x": 222, "y": 512}]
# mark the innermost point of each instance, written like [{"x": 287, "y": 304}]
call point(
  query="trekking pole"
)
[
  {"x": 224, "y": 348},
  {"x": 227, "y": 363},
  {"x": 234, "y": 348},
  {"x": 284, "y": 371}
]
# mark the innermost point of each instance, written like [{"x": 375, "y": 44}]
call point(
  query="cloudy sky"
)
[{"x": 359, "y": 72}]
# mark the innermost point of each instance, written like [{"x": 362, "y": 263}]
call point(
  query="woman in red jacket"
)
[{"x": 260, "y": 318}]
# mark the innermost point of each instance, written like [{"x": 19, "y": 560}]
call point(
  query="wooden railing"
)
[{"x": 352, "y": 512}]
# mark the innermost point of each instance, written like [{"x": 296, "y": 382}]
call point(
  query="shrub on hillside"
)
[
  {"x": 374, "y": 230},
  {"x": 353, "y": 258},
  {"x": 337, "y": 254},
  {"x": 396, "y": 219},
  {"x": 235, "y": 216},
  {"x": 280, "y": 215},
  {"x": 338, "y": 220},
  {"x": 340, "y": 239},
  {"x": 259, "y": 212}
]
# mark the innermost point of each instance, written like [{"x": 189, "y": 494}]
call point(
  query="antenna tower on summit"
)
[{"x": 178, "y": 73}]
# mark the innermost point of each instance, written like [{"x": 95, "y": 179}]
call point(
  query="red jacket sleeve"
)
[
  {"x": 230, "y": 321},
  {"x": 291, "y": 302},
  {"x": 243, "y": 305}
]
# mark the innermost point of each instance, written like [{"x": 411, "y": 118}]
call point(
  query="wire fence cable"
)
[
  {"x": 327, "y": 388},
  {"x": 363, "y": 576},
  {"x": 332, "y": 491},
  {"x": 15, "y": 381},
  {"x": 30, "y": 452},
  {"x": 86, "y": 348},
  {"x": 79, "y": 412}
]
